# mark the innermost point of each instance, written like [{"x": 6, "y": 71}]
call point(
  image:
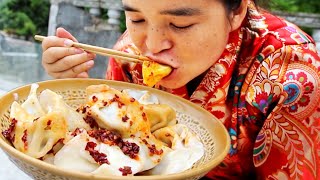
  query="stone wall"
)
[
  {"x": 20, "y": 62},
  {"x": 86, "y": 28}
]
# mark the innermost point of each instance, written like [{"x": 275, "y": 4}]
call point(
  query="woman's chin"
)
[
  {"x": 171, "y": 84},
  {"x": 173, "y": 80}
]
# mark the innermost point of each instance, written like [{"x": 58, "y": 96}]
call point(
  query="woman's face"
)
[{"x": 189, "y": 35}]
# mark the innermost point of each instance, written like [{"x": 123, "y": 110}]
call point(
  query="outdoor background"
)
[{"x": 98, "y": 24}]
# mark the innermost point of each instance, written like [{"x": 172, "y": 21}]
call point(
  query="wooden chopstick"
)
[{"x": 104, "y": 51}]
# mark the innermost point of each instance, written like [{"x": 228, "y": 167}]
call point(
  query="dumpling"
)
[
  {"x": 104, "y": 152},
  {"x": 186, "y": 149},
  {"x": 38, "y": 137},
  {"x": 151, "y": 149},
  {"x": 117, "y": 111},
  {"x": 32, "y": 104},
  {"x": 160, "y": 115},
  {"x": 18, "y": 112},
  {"x": 118, "y": 162},
  {"x": 73, "y": 156},
  {"x": 52, "y": 102},
  {"x": 143, "y": 97},
  {"x": 35, "y": 132},
  {"x": 153, "y": 72}
]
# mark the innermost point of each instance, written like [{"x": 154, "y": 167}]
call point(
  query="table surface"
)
[{"x": 9, "y": 171}]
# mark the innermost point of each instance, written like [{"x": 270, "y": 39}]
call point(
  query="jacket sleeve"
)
[{"x": 288, "y": 144}]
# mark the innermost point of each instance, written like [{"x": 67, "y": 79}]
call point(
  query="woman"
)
[{"x": 255, "y": 72}]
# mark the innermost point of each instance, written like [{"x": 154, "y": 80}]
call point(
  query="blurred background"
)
[{"x": 96, "y": 22}]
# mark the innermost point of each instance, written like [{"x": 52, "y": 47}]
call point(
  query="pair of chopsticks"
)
[{"x": 104, "y": 51}]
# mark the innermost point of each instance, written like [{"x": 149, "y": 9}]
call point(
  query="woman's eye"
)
[
  {"x": 180, "y": 27},
  {"x": 137, "y": 21}
]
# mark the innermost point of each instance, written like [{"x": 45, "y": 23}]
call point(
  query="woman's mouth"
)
[
  {"x": 171, "y": 75},
  {"x": 164, "y": 61}
]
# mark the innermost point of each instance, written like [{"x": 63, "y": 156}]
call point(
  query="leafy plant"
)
[
  {"x": 24, "y": 17},
  {"x": 310, "y": 6}
]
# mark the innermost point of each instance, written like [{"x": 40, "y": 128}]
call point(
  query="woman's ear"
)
[{"x": 237, "y": 15}]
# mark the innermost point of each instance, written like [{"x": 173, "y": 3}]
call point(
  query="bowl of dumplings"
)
[{"x": 99, "y": 129}]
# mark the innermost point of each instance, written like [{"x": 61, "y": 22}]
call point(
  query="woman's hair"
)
[{"x": 234, "y": 4}]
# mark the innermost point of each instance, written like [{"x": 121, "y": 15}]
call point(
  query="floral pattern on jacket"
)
[{"x": 265, "y": 89}]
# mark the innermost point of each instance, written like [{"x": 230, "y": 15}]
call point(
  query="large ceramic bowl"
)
[{"x": 211, "y": 131}]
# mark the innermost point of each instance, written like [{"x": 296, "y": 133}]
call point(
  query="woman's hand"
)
[{"x": 60, "y": 60}]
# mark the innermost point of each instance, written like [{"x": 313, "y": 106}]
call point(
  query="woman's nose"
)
[{"x": 157, "y": 41}]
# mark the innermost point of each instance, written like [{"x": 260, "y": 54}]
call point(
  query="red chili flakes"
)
[
  {"x": 105, "y": 136},
  {"x": 131, "y": 123},
  {"x": 153, "y": 150},
  {"x": 114, "y": 139},
  {"x": 8, "y": 133},
  {"x": 48, "y": 125},
  {"x": 105, "y": 103},
  {"x": 144, "y": 116},
  {"x": 130, "y": 149},
  {"x": 125, "y": 170},
  {"x": 36, "y": 119},
  {"x": 120, "y": 104},
  {"x": 125, "y": 118},
  {"x": 132, "y": 99},
  {"x": 117, "y": 99},
  {"x": 91, "y": 121},
  {"x": 145, "y": 141},
  {"x": 76, "y": 132},
  {"x": 167, "y": 134},
  {"x": 141, "y": 108},
  {"x": 94, "y": 98},
  {"x": 100, "y": 158},
  {"x": 82, "y": 109},
  {"x": 24, "y": 139}
]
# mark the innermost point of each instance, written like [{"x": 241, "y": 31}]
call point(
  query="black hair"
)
[{"x": 234, "y": 4}]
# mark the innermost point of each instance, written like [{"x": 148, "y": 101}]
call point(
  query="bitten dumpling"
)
[{"x": 153, "y": 72}]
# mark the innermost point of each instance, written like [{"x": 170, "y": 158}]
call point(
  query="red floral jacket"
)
[{"x": 265, "y": 89}]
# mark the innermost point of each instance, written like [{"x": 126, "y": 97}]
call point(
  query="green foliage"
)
[
  {"x": 122, "y": 25},
  {"x": 24, "y": 17},
  {"x": 310, "y": 6}
]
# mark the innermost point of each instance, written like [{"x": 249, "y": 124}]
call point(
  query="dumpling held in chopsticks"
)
[{"x": 153, "y": 72}]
